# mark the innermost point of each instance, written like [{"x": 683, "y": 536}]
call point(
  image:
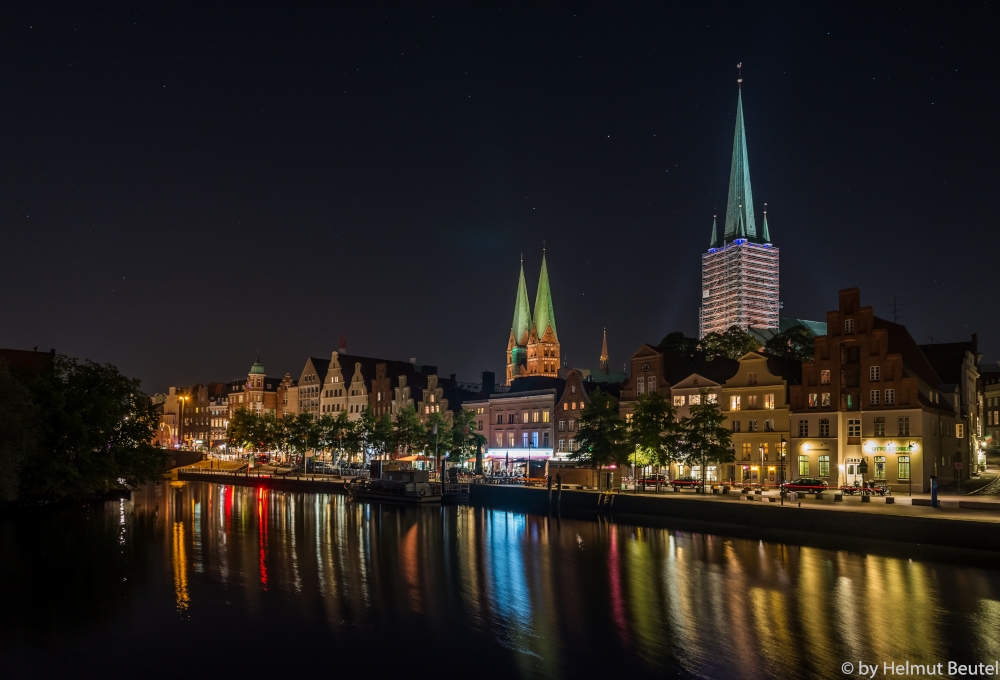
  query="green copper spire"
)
[
  {"x": 544, "y": 316},
  {"x": 521, "y": 327},
  {"x": 765, "y": 235},
  {"x": 715, "y": 238},
  {"x": 739, "y": 212}
]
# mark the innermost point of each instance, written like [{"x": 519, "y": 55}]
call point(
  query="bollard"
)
[
  {"x": 866, "y": 498},
  {"x": 838, "y": 497},
  {"x": 890, "y": 500}
]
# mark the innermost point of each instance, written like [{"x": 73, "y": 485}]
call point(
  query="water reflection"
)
[{"x": 519, "y": 595}]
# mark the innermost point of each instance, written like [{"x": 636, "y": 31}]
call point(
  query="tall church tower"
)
[
  {"x": 533, "y": 345},
  {"x": 520, "y": 332},
  {"x": 739, "y": 273},
  {"x": 605, "y": 369}
]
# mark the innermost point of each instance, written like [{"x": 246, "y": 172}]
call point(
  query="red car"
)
[
  {"x": 652, "y": 480},
  {"x": 685, "y": 483},
  {"x": 805, "y": 485}
]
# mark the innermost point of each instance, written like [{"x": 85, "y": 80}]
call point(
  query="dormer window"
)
[{"x": 849, "y": 327}]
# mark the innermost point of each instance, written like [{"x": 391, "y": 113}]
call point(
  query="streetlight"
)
[
  {"x": 781, "y": 458},
  {"x": 180, "y": 420}
]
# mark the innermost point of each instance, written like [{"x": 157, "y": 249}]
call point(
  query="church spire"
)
[
  {"x": 765, "y": 235},
  {"x": 715, "y": 239},
  {"x": 604, "y": 353},
  {"x": 739, "y": 212},
  {"x": 521, "y": 327},
  {"x": 544, "y": 314}
]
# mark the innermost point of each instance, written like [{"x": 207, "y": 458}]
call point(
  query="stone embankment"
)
[{"x": 951, "y": 527}]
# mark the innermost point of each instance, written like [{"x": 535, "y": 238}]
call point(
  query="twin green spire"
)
[
  {"x": 740, "y": 222},
  {"x": 521, "y": 327},
  {"x": 544, "y": 313}
]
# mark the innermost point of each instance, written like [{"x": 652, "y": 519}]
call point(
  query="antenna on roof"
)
[{"x": 895, "y": 307}]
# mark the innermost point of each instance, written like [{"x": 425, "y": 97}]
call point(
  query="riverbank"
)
[
  {"x": 310, "y": 483},
  {"x": 877, "y": 520}
]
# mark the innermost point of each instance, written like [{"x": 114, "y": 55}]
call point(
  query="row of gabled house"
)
[
  {"x": 870, "y": 393},
  {"x": 197, "y": 416}
]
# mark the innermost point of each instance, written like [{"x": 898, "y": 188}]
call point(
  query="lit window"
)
[
  {"x": 813, "y": 400},
  {"x": 903, "y": 467},
  {"x": 824, "y": 377},
  {"x": 695, "y": 399},
  {"x": 874, "y": 373},
  {"x": 879, "y": 467},
  {"x": 824, "y": 399},
  {"x": 769, "y": 401},
  {"x": 679, "y": 400},
  {"x": 734, "y": 403},
  {"x": 712, "y": 398},
  {"x": 960, "y": 430},
  {"x": 747, "y": 450},
  {"x": 546, "y": 417},
  {"x": 535, "y": 415},
  {"x": 574, "y": 405},
  {"x": 803, "y": 466},
  {"x": 565, "y": 406},
  {"x": 499, "y": 439},
  {"x": 824, "y": 466},
  {"x": 524, "y": 416}
]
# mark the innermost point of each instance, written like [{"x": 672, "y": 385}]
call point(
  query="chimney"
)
[
  {"x": 489, "y": 382},
  {"x": 343, "y": 344}
]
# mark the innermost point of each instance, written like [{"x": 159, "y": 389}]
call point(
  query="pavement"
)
[{"x": 986, "y": 495}]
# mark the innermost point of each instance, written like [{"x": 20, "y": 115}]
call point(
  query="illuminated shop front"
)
[{"x": 896, "y": 462}]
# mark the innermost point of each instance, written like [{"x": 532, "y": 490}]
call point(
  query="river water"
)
[{"x": 194, "y": 580}]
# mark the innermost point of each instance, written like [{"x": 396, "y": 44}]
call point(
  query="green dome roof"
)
[{"x": 257, "y": 368}]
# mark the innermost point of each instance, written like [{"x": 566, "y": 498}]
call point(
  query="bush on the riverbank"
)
[{"x": 78, "y": 429}]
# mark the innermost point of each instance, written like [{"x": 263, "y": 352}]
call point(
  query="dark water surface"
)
[{"x": 204, "y": 580}]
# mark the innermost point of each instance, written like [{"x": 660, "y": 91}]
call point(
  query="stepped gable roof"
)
[
  {"x": 947, "y": 358},
  {"x": 416, "y": 376},
  {"x": 532, "y": 383},
  {"x": 901, "y": 342}
]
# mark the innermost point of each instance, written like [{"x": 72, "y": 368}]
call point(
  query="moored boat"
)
[{"x": 401, "y": 486}]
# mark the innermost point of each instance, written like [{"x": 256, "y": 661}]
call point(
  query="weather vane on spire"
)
[{"x": 739, "y": 73}]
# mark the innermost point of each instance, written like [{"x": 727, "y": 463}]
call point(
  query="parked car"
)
[
  {"x": 805, "y": 485},
  {"x": 652, "y": 480},
  {"x": 685, "y": 483}
]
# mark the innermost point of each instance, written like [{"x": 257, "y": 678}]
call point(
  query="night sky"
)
[{"x": 184, "y": 186}]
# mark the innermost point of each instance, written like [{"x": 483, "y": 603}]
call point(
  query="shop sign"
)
[{"x": 889, "y": 446}]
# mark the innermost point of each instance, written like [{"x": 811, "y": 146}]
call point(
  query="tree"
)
[
  {"x": 336, "y": 432},
  {"x": 703, "y": 439},
  {"x": 94, "y": 429},
  {"x": 408, "y": 431},
  {"x": 241, "y": 429},
  {"x": 653, "y": 433},
  {"x": 464, "y": 439},
  {"x": 19, "y": 433},
  {"x": 795, "y": 344},
  {"x": 680, "y": 343},
  {"x": 734, "y": 343},
  {"x": 602, "y": 439},
  {"x": 381, "y": 441}
]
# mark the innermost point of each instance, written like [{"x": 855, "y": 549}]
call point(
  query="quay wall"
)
[
  {"x": 283, "y": 483},
  {"x": 953, "y": 533}
]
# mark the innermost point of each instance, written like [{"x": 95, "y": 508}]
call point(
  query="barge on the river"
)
[{"x": 400, "y": 486}]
